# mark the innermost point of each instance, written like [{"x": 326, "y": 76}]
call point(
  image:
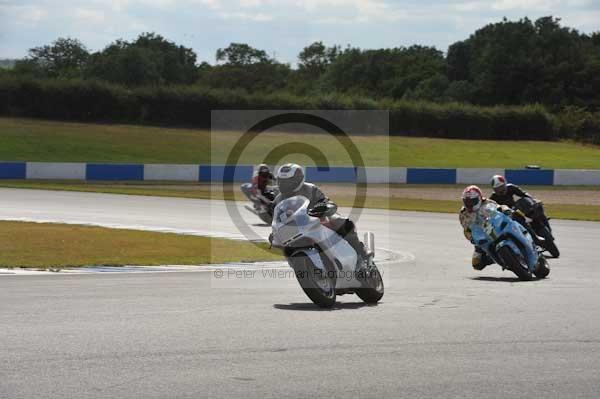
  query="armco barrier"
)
[
  {"x": 56, "y": 170},
  {"x": 568, "y": 177},
  {"x": 334, "y": 174},
  {"x": 13, "y": 170},
  {"x": 328, "y": 174},
  {"x": 225, "y": 173},
  {"x": 530, "y": 176},
  {"x": 476, "y": 176},
  {"x": 430, "y": 176},
  {"x": 114, "y": 172},
  {"x": 171, "y": 172}
]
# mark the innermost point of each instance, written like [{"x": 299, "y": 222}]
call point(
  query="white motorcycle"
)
[{"x": 324, "y": 263}]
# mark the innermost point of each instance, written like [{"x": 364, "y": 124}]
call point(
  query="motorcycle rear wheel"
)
[
  {"x": 549, "y": 243},
  {"x": 513, "y": 263},
  {"x": 318, "y": 286}
]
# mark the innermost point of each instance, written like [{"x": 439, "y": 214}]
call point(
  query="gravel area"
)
[{"x": 578, "y": 196}]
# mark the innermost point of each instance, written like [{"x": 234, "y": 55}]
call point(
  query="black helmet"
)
[{"x": 290, "y": 178}]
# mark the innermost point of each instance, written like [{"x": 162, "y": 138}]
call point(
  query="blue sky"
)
[{"x": 282, "y": 27}]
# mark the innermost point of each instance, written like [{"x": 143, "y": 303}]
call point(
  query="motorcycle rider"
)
[
  {"x": 260, "y": 181},
  {"x": 504, "y": 192},
  {"x": 291, "y": 182},
  {"x": 474, "y": 209}
]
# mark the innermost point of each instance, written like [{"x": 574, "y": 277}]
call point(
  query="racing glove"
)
[{"x": 323, "y": 209}]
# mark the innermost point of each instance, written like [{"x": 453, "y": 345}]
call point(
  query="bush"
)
[
  {"x": 87, "y": 100},
  {"x": 578, "y": 124}
]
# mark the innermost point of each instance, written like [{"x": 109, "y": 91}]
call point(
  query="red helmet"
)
[
  {"x": 499, "y": 184},
  {"x": 472, "y": 198}
]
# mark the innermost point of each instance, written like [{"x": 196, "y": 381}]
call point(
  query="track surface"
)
[{"x": 442, "y": 330}]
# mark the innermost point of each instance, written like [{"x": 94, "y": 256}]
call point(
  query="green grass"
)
[
  {"x": 48, "y": 245},
  {"x": 137, "y": 188},
  {"x": 39, "y": 140},
  {"x": 557, "y": 211}
]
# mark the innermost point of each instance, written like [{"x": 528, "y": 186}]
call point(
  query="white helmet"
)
[
  {"x": 290, "y": 178},
  {"x": 499, "y": 184}
]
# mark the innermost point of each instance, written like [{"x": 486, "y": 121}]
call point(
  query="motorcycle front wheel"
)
[
  {"x": 542, "y": 270},
  {"x": 319, "y": 286},
  {"x": 373, "y": 292},
  {"x": 512, "y": 262}
]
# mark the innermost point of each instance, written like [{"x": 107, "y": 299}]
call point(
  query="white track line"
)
[{"x": 391, "y": 256}]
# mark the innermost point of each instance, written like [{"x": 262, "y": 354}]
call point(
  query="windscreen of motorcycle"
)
[{"x": 289, "y": 209}]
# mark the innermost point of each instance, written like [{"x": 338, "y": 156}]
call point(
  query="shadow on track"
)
[
  {"x": 496, "y": 279},
  {"x": 308, "y": 306}
]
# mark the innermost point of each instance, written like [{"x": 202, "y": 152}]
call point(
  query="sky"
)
[{"x": 281, "y": 27}]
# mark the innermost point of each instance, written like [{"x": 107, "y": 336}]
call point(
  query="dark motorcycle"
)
[
  {"x": 262, "y": 203},
  {"x": 534, "y": 212}
]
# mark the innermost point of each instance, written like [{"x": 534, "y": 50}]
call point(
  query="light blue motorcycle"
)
[{"x": 508, "y": 244}]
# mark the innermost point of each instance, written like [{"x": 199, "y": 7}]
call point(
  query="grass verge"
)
[
  {"x": 49, "y": 245},
  {"x": 40, "y": 140}
]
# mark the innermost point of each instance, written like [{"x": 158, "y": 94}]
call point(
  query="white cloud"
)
[
  {"x": 209, "y": 24},
  {"x": 256, "y": 17},
  {"x": 470, "y": 6},
  {"x": 88, "y": 15},
  {"x": 533, "y": 5},
  {"x": 250, "y": 3},
  {"x": 27, "y": 15}
]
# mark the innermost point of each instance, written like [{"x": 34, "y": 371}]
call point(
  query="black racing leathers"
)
[{"x": 508, "y": 197}]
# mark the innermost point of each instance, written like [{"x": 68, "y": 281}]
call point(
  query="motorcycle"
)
[
  {"x": 509, "y": 244},
  {"x": 324, "y": 264},
  {"x": 262, "y": 203},
  {"x": 536, "y": 218}
]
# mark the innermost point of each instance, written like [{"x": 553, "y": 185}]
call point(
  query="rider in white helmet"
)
[
  {"x": 291, "y": 182},
  {"x": 504, "y": 191}
]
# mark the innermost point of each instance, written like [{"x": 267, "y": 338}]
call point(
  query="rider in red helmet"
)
[{"x": 259, "y": 185}]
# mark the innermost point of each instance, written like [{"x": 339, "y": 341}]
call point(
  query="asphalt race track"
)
[{"x": 441, "y": 331}]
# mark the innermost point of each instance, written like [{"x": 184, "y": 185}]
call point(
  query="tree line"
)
[
  {"x": 511, "y": 79},
  {"x": 509, "y": 62}
]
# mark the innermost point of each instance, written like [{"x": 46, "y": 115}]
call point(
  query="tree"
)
[
  {"x": 247, "y": 68},
  {"x": 149, "y": 60},
  {"x": 241, "y": 54},
  {"x": 314, "y": 59},
  {"x": 457, "y": 60},
  {"x": 65, "y": 57},
  {"x": 385, "y": 72},
  {"x": 460, "y": 91},
  {"x": 430, "y": 89},
  {"x": 519, "y": 62}
]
